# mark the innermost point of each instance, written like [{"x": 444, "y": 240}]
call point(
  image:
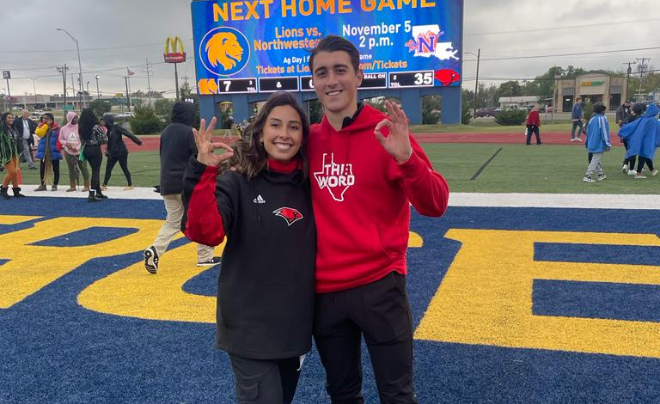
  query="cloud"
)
[{"x": 119, "y": 33}]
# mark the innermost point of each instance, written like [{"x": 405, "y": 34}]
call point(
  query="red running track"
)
[{"x": 152, "y": 143}]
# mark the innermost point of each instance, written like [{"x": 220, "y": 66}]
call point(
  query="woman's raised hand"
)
[{"x": 206, "y": 146}]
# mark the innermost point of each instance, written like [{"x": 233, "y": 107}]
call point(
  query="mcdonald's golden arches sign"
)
[{"x": 174, "y": 52}]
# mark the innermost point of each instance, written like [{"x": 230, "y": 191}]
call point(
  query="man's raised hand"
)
[{"x": 397, "y": 143}]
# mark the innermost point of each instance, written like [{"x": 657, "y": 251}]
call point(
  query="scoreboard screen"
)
[
  {"x": 237, "y": 86},
  {"x": 249, "y": 46}
]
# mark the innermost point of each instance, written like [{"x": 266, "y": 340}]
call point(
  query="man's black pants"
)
[
  {"x": 381, "y": 312},
  {"x": 265, "y": 381}
]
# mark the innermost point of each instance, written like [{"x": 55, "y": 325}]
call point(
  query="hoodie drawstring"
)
[{"x": 256, "y": 201}]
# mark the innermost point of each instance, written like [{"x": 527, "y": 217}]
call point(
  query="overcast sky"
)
[{"x": 115, "y": 34}]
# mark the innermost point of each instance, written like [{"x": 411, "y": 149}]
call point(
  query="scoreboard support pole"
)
[
  {"x": 241, "y": 107},
  {"x": 411, "y": 101},
  {"x": 451, "y": 105}
]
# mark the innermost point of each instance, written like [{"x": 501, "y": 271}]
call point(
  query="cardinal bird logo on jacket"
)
[{"x": 289, "y": 214}]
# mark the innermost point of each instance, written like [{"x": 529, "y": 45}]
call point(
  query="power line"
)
[
  {"x": 106, "y": 48},
  {"x": 600, "y": 24},
  {"x": 565, "y": 54}
]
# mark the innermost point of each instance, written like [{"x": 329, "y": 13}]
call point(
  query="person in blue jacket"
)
[
  {"x": 643, "y": 137},
  {"x": 598, "y": 142},
  {"x": 48, "y": 153},
  {"x": 576, "y": 117}
]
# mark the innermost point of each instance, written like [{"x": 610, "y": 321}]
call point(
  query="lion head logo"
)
[
  {"x": 224, "y": 51},
  {"x": 207, "y": 86},
  {"x": 223, "y": 48}
]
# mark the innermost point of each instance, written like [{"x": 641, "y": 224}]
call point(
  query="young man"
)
[
  {"x": 177, "y": 145},
  {"x": 576, "y": 117},
  {"x": 623, "y": 112},
  {"x": 366, "y": 169},
  {"x": 26, "y": 127}
]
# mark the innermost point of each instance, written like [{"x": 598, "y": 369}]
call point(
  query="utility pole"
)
[
  {"x": 476, "y": 83},
  {"x": 98, "y": 92},
  {"x": 148, "y": 82},
  {"x": 63, "y": 71},
  {"x": 34, "y": 87},
  {"x": 128, "y": 95},
  {"x": 641, "y": 66},
  {"x": 73, "y": 89},
  {"x": 628, "y": 73}
]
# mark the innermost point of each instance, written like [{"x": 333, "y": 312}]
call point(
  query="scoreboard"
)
[{"x": 262, "y": 46}]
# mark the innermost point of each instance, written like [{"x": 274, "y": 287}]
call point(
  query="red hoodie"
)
[
  {"x": 534, "y": 118},
  {"x": 361, "y": 200}
]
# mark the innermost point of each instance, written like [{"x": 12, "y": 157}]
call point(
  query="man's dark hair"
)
[
  {"x": 599, "y": 108},
  {"x": 49, "y": 116},
  {"x": 334, "y": 43},
  {"x": 638, "y": 108},
  {"x": 578, "y": 99}
]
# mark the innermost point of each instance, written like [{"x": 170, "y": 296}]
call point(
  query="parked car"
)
[{"x": 489, "y": 111}]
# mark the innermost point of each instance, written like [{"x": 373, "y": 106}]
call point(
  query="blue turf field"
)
[{"x": 596, "y": 270}]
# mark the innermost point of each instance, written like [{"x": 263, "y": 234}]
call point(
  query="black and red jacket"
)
[{"x": 266, "y": 284}]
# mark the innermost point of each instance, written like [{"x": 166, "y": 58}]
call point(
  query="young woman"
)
[
  {"x": 117, "y": 151},
  {"x": 71, "y": 146},
  {"x": 266, "y": 286},
  {"x": 92, "y": 136},
  {"x": 48, "y": 153},
  {"x": 9, "y": 139},
  {"x": 643, "y": 137}
]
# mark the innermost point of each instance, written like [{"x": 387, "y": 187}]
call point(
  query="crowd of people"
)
[
  {"x": 78, "y": 142},
  {"x": 639, "y": 132}
]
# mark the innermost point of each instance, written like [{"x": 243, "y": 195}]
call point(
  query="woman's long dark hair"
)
[
  {"x": 250, "y": 154},
  {"x": 4, "y": 127},
  {"x": 86, "y": 123}
]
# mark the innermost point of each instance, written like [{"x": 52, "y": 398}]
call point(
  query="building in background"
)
[{"x": 592, "y": 87}]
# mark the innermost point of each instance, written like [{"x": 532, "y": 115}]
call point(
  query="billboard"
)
[{"x": 263, "y": 45}]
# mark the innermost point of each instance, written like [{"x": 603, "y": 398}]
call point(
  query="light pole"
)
[
  {"x": 555, "y": 97},
  {"x": 80, "y": 75},
  {"x": 98, "y": 93},
  {"x": 476, "y": 81}
]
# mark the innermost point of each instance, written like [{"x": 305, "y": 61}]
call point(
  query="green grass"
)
[
  {"x": 516, "y": 168},
  {"x": 538, "y": 169},
  {"x": 485, "y": 126},
  {"x": 144, "y": 166}
]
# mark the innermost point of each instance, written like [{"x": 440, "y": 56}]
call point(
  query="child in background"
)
[{"x": 598, "y": 142}]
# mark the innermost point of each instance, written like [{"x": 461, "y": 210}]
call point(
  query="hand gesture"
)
[
  {"x": 206, "y": 146},
  {"x": 397, "y": 144}
]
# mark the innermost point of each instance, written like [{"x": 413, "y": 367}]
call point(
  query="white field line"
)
[{"x": 511, "y": 200}]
